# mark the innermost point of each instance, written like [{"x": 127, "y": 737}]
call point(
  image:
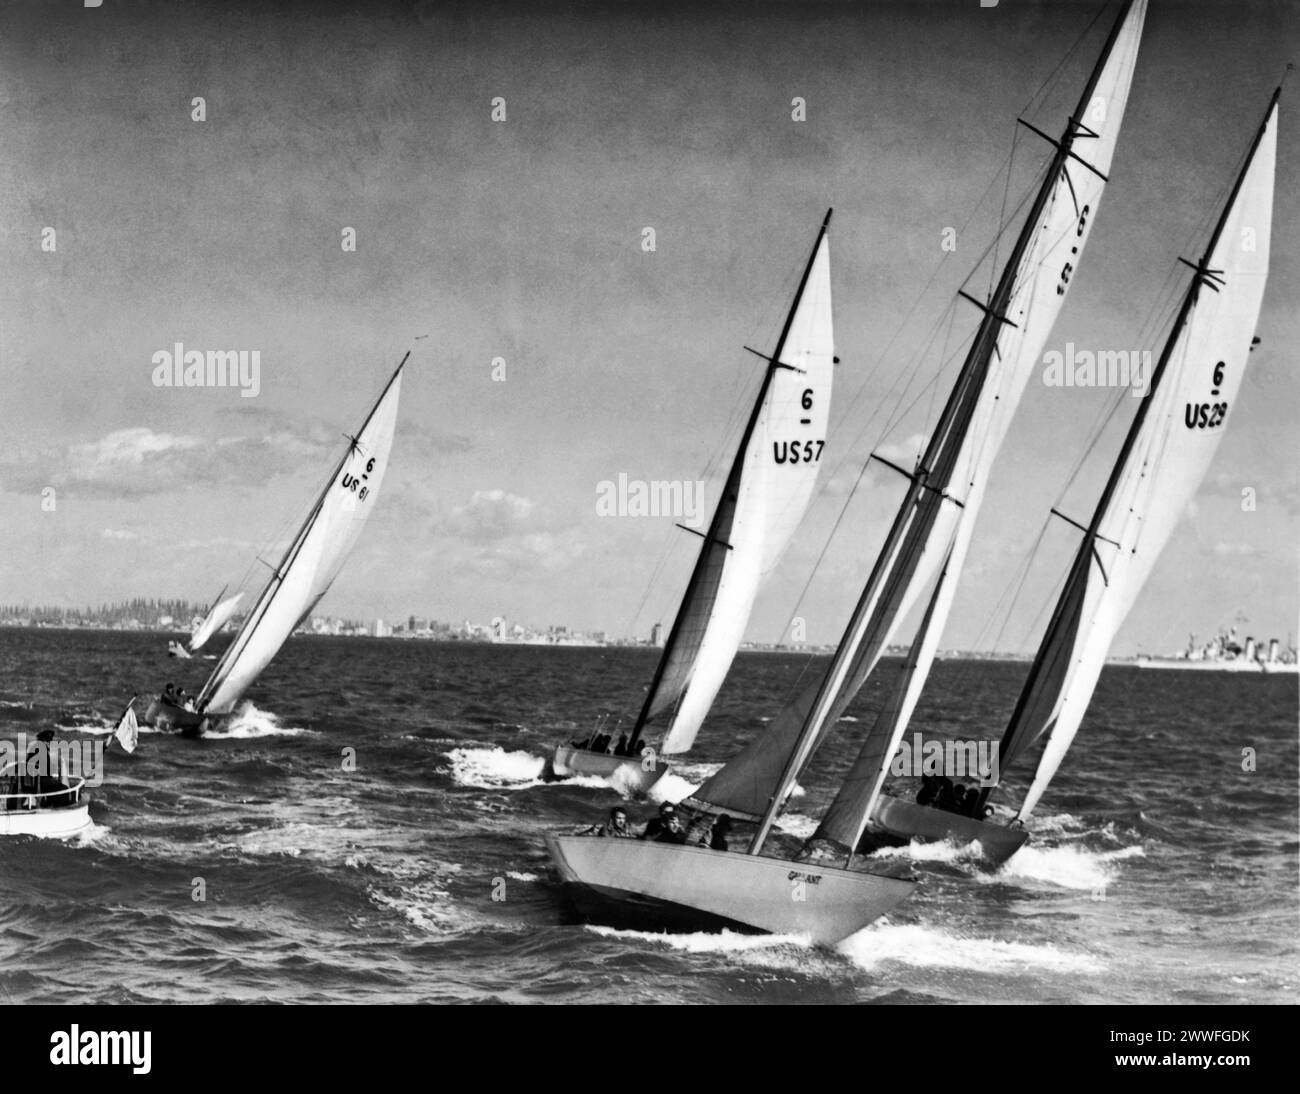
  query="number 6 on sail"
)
[{"x": 304, "y": 574}]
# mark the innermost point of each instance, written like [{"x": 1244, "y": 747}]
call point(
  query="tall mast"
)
[
  {"x": 1065, "y": 614},
  {"x": 730, "y": 491},
  {"x": 930, "y": 480}
]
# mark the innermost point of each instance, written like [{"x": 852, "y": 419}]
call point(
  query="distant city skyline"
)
[{"x": 563, "y": 355}]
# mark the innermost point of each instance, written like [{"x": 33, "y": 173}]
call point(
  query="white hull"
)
[
  {"x": 56, "y": 823},
  {"x": 663, "y": 884},
  {"x": 900, "y": 820},
  {"x": 1251, "y": 668},
  {"x": 628, "y": 773}
]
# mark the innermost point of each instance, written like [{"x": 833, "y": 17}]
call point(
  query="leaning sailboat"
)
[
  {"x": 1162, "y": 461},
  {"x": 218, "y": 616},
  {"x": 303, "y": 575},
  {"x": 925, "y": 545},
  {"x": 765, "y": 496},
  {"x": 927, "y": 542}
]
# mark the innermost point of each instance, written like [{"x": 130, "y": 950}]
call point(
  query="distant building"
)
[{"x": 657, "y": 635}]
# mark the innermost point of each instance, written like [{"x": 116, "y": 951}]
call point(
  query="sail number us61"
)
[
  {"x": 799, "y": 451},
  {"x": 351, "y": 482}
]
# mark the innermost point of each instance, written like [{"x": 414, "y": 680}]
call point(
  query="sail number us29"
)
[
  {"x": 1207, "y": 415},
  {"x": 794, "y": 452}
]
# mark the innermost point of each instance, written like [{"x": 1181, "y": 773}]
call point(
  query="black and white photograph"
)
[{"x": 609, "y": 502}]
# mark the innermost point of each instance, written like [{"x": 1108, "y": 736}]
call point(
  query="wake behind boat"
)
[
  {"x": 303, "y": 576},
  {"x": 765, "y": 496}
]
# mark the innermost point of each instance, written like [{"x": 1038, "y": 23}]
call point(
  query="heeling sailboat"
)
[
  {"x": 305, "y": 572},
  {"x": 1163, "y": 459},
  {"x": 218, "y": 616},
  {"x": 928, "y": 539},
  {"x": 765, "y": 495}
]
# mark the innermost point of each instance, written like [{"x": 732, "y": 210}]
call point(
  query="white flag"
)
[{"x": 128, "y": 730}]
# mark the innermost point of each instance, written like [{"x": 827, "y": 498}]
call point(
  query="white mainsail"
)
[
  {"x": 765, "y": 496},
  {"x": 934, "y": 523},
  {"x": 313, "y": 559},
  {"x": 1165, "y": 456},
  {"x": 217, "y": 618}
]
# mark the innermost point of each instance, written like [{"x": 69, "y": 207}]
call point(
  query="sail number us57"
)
[{"x": 792, "y": 452}]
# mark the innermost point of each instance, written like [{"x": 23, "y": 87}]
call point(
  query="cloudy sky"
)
[{"x": 522, "y": 239}]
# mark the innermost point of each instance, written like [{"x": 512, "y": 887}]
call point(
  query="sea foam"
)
[{"x": 930, "y": 947}]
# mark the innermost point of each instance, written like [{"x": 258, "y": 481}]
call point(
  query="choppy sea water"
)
[{"x": 1158, "y": 869}]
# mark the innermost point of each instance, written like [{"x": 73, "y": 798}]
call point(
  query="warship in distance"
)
[{"x": 1226, "y": 653}]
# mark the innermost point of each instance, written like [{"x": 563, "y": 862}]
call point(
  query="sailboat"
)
[
  {"x": 304, "y": 574},
  {"x": 765, "y": 496},
  {"x": 926, "y": 542},
  {"x": 218, "y": 616},
  {"x": 1165, "y": 455}
]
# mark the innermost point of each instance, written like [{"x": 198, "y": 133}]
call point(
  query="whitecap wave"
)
[
  {"x": 96, "y": 835},
  {"x": 940, "y": 851},
  {"x": 704, "y": 941},
  {"x": 421, "y": 900},
  {"x": 248, "y": 721},
  {"x": 1069, "y": 867},
  {"x": 930, "y": 947},
  {"x": 497, "y": 769},
  {"x": 671, "y": 787},
  {"x": 797, "y": 825}
]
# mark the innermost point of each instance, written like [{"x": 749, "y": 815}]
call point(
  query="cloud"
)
[
  {"x": 136, "y": 462},
  {"x": 1270, "y": 492},
  {"x": 1224, "y": 549},
  {"x": 489, "y": 516},
  {"x": 903, "y": 453},
  {"x": 547, "y": 551},
  {"x": 116, "y": 533}
]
